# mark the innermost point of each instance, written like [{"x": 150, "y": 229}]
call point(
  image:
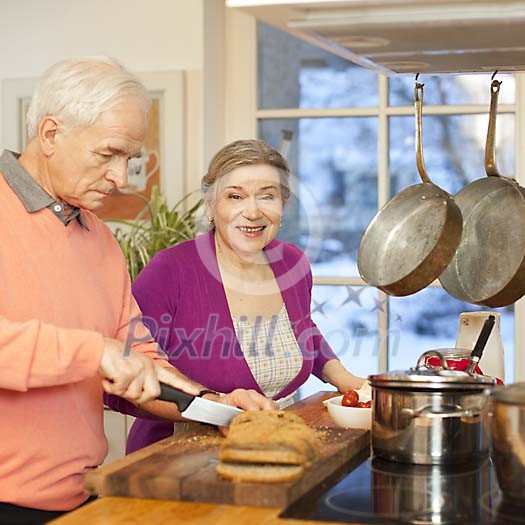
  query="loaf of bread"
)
[{"x": 267, "y": 446}]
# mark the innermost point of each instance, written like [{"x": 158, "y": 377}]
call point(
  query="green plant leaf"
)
[{"x": 156, "y": 226}]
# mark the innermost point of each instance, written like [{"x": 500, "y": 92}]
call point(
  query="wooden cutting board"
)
[{"x": 182, "y": 467}]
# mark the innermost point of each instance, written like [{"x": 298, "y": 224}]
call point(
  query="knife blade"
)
[{"x": 197, "y": 408}]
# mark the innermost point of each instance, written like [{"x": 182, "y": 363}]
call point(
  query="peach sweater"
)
[{"x": 62, "y": 289}]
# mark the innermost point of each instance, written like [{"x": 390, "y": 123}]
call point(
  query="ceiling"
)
[{"x": 411, "y": 36}]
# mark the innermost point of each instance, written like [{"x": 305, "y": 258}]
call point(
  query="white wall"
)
[
  {"x": 195, "y": 36},
  {"x": 145, "y": 35}
]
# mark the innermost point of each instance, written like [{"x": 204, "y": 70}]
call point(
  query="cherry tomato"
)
[
  {"x": 361, "y": 404},
  {"x": 368, "y": 404},
  {"x": 350, "y": 399}
]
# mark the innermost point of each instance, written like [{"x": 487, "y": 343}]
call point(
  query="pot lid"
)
[
  {"x": 514, "y": 394},
  {"x": 431, "y": 378}
]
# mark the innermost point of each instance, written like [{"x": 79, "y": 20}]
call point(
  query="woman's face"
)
[{"x": 247, "y": 209}]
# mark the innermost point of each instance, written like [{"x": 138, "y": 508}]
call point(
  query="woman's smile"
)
[{"x": 251, "y": 231}]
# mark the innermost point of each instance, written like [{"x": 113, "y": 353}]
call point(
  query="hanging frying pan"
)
[
  {"x": 489, "y": 265},
  {"x": 412, "y": 239}
]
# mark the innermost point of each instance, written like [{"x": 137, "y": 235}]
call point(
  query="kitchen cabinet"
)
[{"x": 410, "y": 36}]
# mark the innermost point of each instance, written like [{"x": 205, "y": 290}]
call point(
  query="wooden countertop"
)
[
  {"x": 118, "y": 510},
  {"x": 135, "y": 511}
]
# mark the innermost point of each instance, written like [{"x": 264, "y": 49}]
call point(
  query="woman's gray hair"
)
[{"x": 78, "y": 91}]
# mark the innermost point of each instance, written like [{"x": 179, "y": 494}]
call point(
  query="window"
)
[{"x": 353, "y": 149}]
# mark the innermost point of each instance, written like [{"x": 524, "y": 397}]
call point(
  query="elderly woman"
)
[{"x": 232, "y": 308}]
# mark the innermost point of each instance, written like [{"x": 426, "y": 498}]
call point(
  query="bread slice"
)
[
  {"x": 283, "y": 456},
  {"x": 259, "y": 473}
]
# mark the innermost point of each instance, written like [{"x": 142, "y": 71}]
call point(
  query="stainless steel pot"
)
[
  {"x": 430, "y": 416},
  {"x": 508, "y": 440}
]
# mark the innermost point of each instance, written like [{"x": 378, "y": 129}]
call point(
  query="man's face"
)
[{"x": 88, "y": 163}]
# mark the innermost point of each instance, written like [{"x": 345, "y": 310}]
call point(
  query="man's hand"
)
[
  {"x": 172, "y": 377},
  {"x": 245, "y": 399},
  {"x": 129, "y": 374}
]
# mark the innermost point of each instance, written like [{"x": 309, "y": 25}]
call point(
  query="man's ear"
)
[{"x": 47, "y": 131}]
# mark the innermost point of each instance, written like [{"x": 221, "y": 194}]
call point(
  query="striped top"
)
[{"x": 270, "y": 349}]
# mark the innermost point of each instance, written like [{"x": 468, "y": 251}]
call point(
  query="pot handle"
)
[
  {"x": 443, "y": 412},
  {"x": 421, "y": 362}
]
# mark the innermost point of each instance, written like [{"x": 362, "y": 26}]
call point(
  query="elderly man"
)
[{"x": 65, "y": 301}]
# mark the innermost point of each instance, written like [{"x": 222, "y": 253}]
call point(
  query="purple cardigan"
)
[{"x": 184, "y": 305}]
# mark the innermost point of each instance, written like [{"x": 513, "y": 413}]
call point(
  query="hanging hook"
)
[
  {"x": 417, "y": 88},
  {"x": 495, "y": 84}
]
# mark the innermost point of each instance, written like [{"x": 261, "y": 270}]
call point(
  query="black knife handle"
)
[
  {"x": 174, "y": 395},
  {"x": 483, "y": 336}
]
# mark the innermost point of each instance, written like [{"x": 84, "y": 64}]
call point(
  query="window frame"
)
[{"x": 243, "y": 30}]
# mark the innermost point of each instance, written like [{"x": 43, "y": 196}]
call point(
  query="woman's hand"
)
[
  {"x": 365, "y": 389},
  {"x": 248, "y": 400},
  {"x": 245, "y": 399},
  {"x": 336, "y": 374}
]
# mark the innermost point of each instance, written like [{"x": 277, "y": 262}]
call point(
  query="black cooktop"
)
[{"x": 380, "y": 491}]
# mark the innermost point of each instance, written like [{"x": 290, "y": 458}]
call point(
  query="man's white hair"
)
[{"x": 78, "y": 91}]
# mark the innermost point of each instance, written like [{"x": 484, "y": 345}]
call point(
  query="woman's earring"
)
[{"x": 210, "y": 220}]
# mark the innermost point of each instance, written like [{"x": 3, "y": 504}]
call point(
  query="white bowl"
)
[{"x": 349, "y": 417}]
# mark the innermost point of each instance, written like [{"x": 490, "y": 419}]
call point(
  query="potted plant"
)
[{"x": 156, "y": 227}]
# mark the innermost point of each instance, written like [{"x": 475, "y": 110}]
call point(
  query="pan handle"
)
[
  {"x": 418, "y": 103},
  {"x": 490, "y": 146}
]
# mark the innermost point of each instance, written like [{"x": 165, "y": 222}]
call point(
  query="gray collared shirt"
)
[{"x": 31, "y": 194}]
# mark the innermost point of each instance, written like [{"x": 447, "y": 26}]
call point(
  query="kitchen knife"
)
[{"x": 197, "y": 408}]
